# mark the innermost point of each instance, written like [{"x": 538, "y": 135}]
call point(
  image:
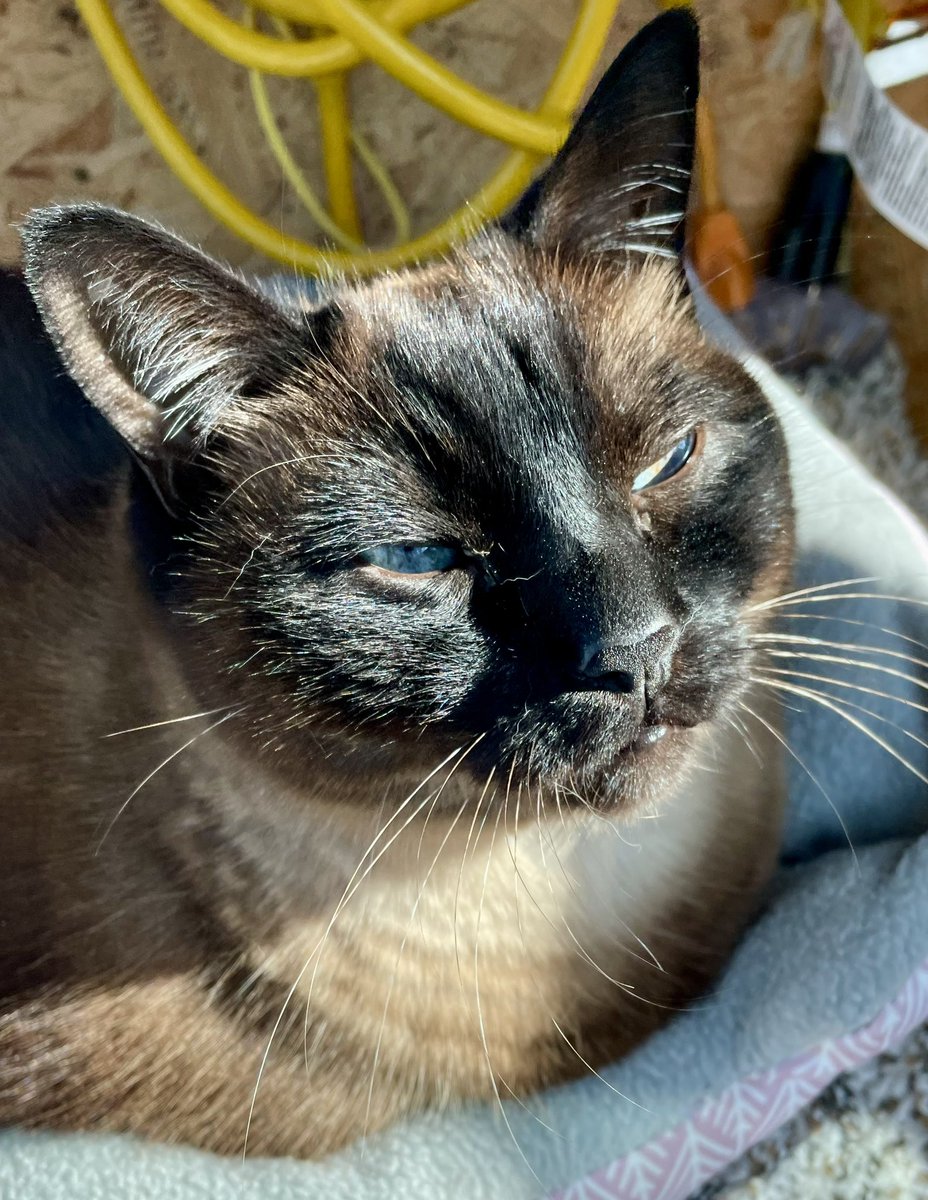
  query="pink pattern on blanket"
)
[{"x": 674, "y": 1165}]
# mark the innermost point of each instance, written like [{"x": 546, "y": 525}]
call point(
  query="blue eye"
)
[
  {"x": 406, "y": 558},
  {"x": 665, "y": 468}
]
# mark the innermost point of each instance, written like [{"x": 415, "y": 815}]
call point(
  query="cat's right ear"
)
[
  {"x": 620, "y": 182},
  {"x": 160, "y": 337}
]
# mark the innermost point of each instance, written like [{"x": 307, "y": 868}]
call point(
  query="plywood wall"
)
[{"x": 67, "y": 135}]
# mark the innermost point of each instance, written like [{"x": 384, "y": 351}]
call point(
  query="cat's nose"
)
[{"x": 636, "y": 663}]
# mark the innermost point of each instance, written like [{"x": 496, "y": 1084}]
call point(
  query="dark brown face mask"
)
[{"x": 511, "y": 498}]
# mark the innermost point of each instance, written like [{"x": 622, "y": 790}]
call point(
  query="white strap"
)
[{"x": 887, "y": 149}]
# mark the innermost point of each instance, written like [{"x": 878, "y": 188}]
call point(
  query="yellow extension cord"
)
[
  {"x": 371, "y": 30},
  {"x": 343, "y": 226}
]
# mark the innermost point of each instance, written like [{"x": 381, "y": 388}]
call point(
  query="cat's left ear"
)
[
  {"x": 159, "y": 336},
  {"x": 621, "y": 180}
]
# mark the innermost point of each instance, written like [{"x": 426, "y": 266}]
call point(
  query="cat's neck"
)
[
  {"x": 482, "y": 916},
  {"x": 477, "y": 929}
]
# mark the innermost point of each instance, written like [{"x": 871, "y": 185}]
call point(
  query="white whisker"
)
[
  {"x": 480, "y": 1019},
  {"x": 806, "y": 599},
  {"x": 412, "y": 915},
  {"x": 847, "y": 662},
  {"x": 554, "y": 1021},
  {"x": 464, "y": 853},
  {"x": 581, "y": 950},
  {"x": 868, "y": 712},
  {"x": 316, "y": 952},
  {"x": 835, "y": 707},
  {"x": 854, "y": 647},
  {"x": 284, "y": 462},
  {"x": 792, "y": 753},
  {"x": 791, "y": 673},
  {"x": 817, "y": 617},
  {"x": 209, "y": 712},
  {"x": 399, "y": 955},
  {"x": 151, "y": 774},
  {"x": 810, "y": 591}
]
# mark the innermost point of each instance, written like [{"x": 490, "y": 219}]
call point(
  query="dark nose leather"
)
[{"x": 641, "y": 664}]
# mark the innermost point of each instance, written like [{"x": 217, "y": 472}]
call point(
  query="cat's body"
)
[
  {"x": 203, "y": 878},
  {"x": 153, "y": 939},
  {"x": 363, "y": 878}
]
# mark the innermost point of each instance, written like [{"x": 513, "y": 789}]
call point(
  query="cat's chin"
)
[
  {"x": 637, "y": 775},
  {"x": 604, "y": 774}
]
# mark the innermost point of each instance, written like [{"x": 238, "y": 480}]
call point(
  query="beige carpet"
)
[{"x": 865, "y": 1138}]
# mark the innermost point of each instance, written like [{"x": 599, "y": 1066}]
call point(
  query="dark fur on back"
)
[{"x": 58, "y": 450}]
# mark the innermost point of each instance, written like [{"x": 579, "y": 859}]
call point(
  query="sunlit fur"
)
[{"x": 368, "y": 843}]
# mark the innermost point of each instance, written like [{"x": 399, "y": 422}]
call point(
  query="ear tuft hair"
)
[
  {"x": 159, "y": 336},
  {"x": 621, "y": 180}
]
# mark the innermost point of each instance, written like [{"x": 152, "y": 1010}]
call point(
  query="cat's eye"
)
[
  {"x": 410, "y": 558},
  {"x": 669, "y": 465}
]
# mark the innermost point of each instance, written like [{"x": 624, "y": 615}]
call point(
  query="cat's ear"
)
[
  {"x": 621, "y": 180},
  {"x": 159, "y": 336}
]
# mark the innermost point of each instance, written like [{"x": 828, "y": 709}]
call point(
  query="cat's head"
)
[{"x": 509, "y": 502}]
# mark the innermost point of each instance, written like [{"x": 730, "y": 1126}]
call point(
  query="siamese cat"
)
[{"x": 369, "y": 669}]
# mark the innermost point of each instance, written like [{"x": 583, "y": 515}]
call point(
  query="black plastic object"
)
[{"x": 805, "y": 248}]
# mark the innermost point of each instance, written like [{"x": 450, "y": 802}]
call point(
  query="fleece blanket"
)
[{"x": 834, "y": 971}]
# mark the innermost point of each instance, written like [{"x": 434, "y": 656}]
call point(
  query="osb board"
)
[
  {"x": 890, "y": 273},
  {"x": 68, "y": 136}
]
